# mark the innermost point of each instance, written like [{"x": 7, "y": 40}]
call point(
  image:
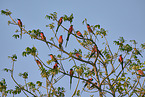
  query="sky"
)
[{"x": 119, "y": 17}]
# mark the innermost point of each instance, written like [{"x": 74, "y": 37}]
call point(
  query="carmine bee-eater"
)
[
  {"x": 71, "y": 74},
  {"x": 90, "y": 30},
  {"x": 42, "y": 36},
  {"x": 137, "y": 52},
  {"x": 80, "y": 34},
  {"x": 60, "y": 41},
  {"x": 92, "y": 53},
  {"x": 53, "y": 58},
  {"x": 54, "y": 72},
  {"x": 55, "y": 66},
  {"x": 94, "y": 49},
  {"x": 69, "y": 32},
  {"x": 38, "y": 63},
  {"x": 78, "y": 55},
  {"x": 140, "y": 72},
  {"x": 59, "y": 23},
  {"x": 88, "y": 83},
  {"x": 121, "y": 61},
  {"x": 20, "y": 25}
]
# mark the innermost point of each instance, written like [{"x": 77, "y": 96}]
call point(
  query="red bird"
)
[
  {"x": 94, "y": 49},
  {"x": 54, "y": 72},
  {"x": 55, "y": 66},
  {"x": 53, "y": 58},
  {"x": 20, "y": 25},
  {"x": 59, "y": 23},
  {"x": 38, "y": 63},
  {"x": 140, "y": 72},
  {"x": 60, "y": 41},
  {"x": 42, "y": 36},
  {"x": 87, "y": 83},
  {"x": 121, "y": 60},
  {"x": 71, "y": 74},
  {"x": 79, "y": 34},
  {"x": 69, "y": 32},
  {"x": 78, "y": 55},
  {"x": 89, "y": 28}
]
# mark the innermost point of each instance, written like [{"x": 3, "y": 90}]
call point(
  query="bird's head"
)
[
  {"x": 41, "y": 33},
  {"x": 56, "y": 65},
  {"x": 50, "y": 54},
  {"x": 61, "y": 36},
  {"x": 71, "y": 69},
  {"x": 88, "y": 25},
  {"x": 138, "y": 69},
  {"x": 91, "y": 79},
  {"x": 71, "y": 25},
  {"x": 61, "y": 18}
]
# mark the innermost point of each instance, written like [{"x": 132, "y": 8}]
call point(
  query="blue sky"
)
[{"x": 120, "y": 17}]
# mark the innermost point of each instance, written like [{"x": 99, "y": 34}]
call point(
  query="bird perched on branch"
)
[
  {"x": 38, "y": 63},
  {"x": 80, "y": 34},
  {"x": 94, "y": 49},
  {"x": 42, "y": 36},
  {"x": 55, "y": 66},
  {"x": 60, "y": 41},
  {"x": 71, "y": 74},
  {"x": 69, "y": 32},
  {"x": 121, "y": 61},
  {"x": 54, "y": 71},
  {"x": 59, "y": 23},
  {"x": 53, "y": 58},
  {"x": 91, "y": 31},
  {"x": 20, "y": 25},
  {"x": 78, "y": 55},
  {"x": 141, "y": 73}
]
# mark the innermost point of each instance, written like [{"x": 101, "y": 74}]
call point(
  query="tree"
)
[{"x": 100, "y": 70}]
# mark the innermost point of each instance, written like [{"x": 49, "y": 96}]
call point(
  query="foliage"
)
[{"x": 101, "y": 65}]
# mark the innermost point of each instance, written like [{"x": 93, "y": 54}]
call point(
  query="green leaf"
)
[
  {"x": 49, "y": 17},
  {"x": 39, "y": 83},
  {"x": 24, "y": 54},
  {"x": 143, "y": 46},
  {"x": 13, "y": 57},
  {"x": 78, "y": 93},
  {"x": 15, "y": 36},
  {"x": 51, "y": 26},
  {"x": 97, "y": 26},
  {"x": 134, "y": 42},
  {"x": 6, "y": 12},
  {"x": 121, "y": 39},
  {"x": 7, "y": 70}
]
